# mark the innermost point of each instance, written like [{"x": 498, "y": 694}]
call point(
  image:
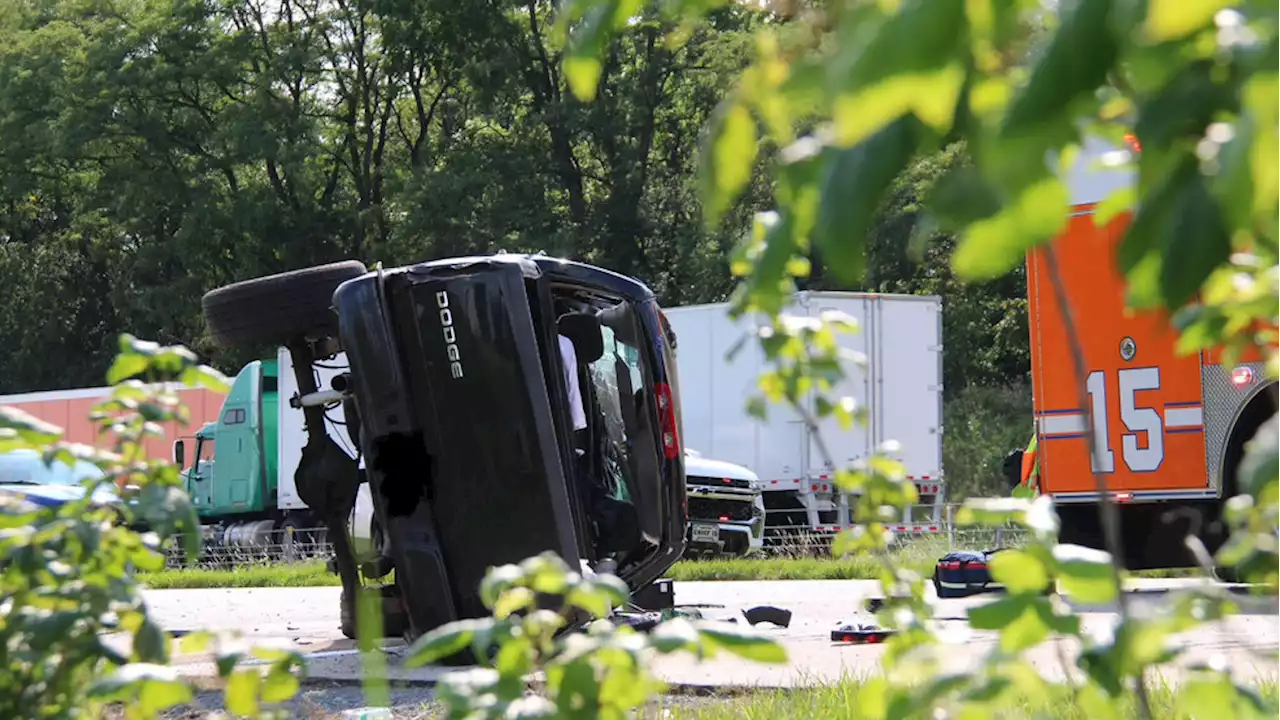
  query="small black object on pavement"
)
[{"x": 860, "y": 634}]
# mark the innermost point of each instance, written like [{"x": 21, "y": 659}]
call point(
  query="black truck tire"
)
[
  {"x": 394, "y": 621},
  {"x": 277, "y": 309}
]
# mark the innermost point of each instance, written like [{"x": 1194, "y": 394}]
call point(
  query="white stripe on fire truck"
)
[
  {"x": 1061, "y": 422},
  {"x": 1177, "y": 415}
]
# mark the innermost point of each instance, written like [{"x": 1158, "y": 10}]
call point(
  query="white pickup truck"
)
[{"x": 726, "y": 507}]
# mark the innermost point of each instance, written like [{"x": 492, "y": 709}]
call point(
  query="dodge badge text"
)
[{"x": 450, "y": 335}]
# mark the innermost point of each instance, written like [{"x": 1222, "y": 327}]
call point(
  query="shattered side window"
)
[
  {"x": 604, "y": 375},
  {"x": 618, "y": 378}
]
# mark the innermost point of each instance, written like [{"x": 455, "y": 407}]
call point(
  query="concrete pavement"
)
[{"x": 307, "y": 619}]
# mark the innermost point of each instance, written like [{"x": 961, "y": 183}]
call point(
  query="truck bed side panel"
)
[{"x": 1146, "y": 408}]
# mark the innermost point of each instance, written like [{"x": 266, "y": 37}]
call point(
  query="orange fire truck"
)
[{"x": 1169, "y": 429}]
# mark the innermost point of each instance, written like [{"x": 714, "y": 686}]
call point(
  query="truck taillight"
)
[{"x": 667, "y": 415}]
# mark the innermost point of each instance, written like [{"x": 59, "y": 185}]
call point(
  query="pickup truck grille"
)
[
  {"x": 709, "y": 482},
  {"x": 719, "y": 510}
]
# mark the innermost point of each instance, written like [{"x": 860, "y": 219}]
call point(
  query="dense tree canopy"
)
[{"x": 151, "y": 150}]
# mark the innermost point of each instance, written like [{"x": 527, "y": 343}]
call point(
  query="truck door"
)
[
  {"x": 237, "y": 474},
  {"x": 907, "y": 385},
  {"x": 1144, "y": 398}
]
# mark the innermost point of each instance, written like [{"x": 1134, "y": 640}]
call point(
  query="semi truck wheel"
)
[{"x": 276, "y": 309}]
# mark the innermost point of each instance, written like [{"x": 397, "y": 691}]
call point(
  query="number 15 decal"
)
[{"x": 1137, "y": 420}]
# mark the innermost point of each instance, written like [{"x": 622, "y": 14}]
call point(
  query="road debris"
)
[
  {"x": 860, "y": 634},
  {"x": 767, "y": 613}
]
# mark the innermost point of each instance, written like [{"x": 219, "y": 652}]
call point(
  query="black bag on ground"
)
[{"x": 963, "y": 573}]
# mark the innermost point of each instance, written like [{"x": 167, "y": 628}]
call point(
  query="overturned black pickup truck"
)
[{"x": 502, "y": 405}]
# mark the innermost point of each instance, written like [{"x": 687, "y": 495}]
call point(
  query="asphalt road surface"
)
[{"x": 307, "y": 619}]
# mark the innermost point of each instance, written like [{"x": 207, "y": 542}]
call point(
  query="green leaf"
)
[
  {"x": 496, "y": 582},
  {"x": 1056, "y": 616},
  {"x": 1019, "y": 571},
  {"x": 1198, "y": 244},
  {"x": 227, "y": 662},
  {"x": 996, "y": 614},
  {"x": 126, "y": 366},
  {"x": 589, "y": 598},
  {"x": 594, "y": 29},
  {"x": 1232, "y": 186},
  {"x": 151, "y": 688},
  {"x": 45, "y": 631},
  {"x": 1086, "y": 575},
  {"x": 1206, "y": 696},
  {"x": 206, "y": 377},
  {"x": 196, "y": 642},
  {"x": 727, "y": 158},
  {"x": 241, "y": 692},
  {"x": 1182, "y": 108},
  {"x": 280, "y": 684},
  {"x": 445, "y": 641},
  {"x": 1077, "y": 61},
  {"x": 744, "y": 642},
  {"x": 1024, "y": 621},
  {"x": 1028, "y": 629},
  {"x": 1119, "y": 201},
  {"x": 1260, "y": 467},
  {"x": 992, "y": 511},
  {"x": 853, "y": 182},
  {"x": 993, "y": 246},
  {"x": 1177, "y": 238},
  {"x": 674, "y": 635},
  {"x": 910, "y": 64},
  {"x": 32, "y": 431},
  {"x": 513, "y": 600},
  {"x": 613, "y": 588},
  {"x": 150, "y": 643},
  {"x": 1261, "y": 95},
  {"x": 1171, "y": 19},
  {"x": 962, "y": 196},
  {"x": 146, "y": 559}
]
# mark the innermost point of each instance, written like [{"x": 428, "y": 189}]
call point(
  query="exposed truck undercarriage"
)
[{"x": 475, "y": 358}]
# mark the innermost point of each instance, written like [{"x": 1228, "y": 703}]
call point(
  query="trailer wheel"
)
[{"x": 277, "y": 309}]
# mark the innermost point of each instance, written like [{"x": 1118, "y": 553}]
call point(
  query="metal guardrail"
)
[{"x": 302, "y": 545}]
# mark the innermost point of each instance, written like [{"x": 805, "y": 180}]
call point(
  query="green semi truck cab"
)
[{"x": 235, "y": 473}]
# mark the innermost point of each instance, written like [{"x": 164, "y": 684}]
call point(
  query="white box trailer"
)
[
  {"x": 901, "y": 337},
  {"x": 293, "y": 424}
]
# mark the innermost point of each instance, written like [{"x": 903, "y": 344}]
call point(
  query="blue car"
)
[{"x": 24, "y": 475}]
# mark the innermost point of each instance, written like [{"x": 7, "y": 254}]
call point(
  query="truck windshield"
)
[{"x": 204, "y": 451}]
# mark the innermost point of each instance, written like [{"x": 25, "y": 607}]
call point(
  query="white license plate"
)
[{"x": 706, "y": 533}]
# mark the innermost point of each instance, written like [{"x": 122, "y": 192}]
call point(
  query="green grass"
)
[
  {"x": 918, "y": 553},
  {"x": 303, "y": 574},
  {"x": 314, "y": 574},
  {"x": 844, "y": 700}
]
